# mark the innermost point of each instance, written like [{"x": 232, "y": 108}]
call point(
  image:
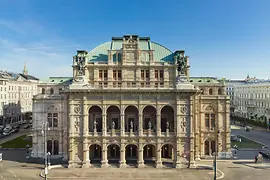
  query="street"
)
[
  {"x": 15, "y": 135},
  {"x": 15, "y": 166},
  {"x": 262, "y": 137}
]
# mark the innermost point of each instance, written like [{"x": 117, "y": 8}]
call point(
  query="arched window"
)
[
  {"x": 51, "y": 91},
  {"x": 49, "y": 146},
  {"x": 219, "y": 91},
  {"x": 60, "y": 89},
  {"x": 43, "y": 91},
  {"x": 210, "y": 121},
  {"x": 206, "y": 148},
  {"x": 55, "y": 147},
  {"x": 210, "y": 91}
]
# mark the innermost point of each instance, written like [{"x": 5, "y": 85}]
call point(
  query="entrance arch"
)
[
  {"x": 167, "y": 154},
  {"x": 131, "y": 119},
  {"x": 149, "y": 118},
  {"x": 113, "y": 154},
  {"x": 113, "y": 118},
  {"x": 167, "y": 119},
  {"x": 149, "y": 154},
  {"x": 95, "y": 118},
  {"x": 131, "y": 154},
  {"x": 95, "y": 154}
]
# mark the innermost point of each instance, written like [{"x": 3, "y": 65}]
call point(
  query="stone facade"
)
[{"x": 127, "y": 106}]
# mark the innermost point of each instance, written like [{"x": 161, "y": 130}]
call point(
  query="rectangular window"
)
[
  {"x": 105, "y": 74},
  {"x": 147, "y": 74},
  {"x": 213, "y": 121},
  {"x": 156, "y": 74},
  {"x": 114, "y": 74},
  {"x": 142, "y": 74},
  {"x": 100, "y": 74},
  {"x": 161, "y": 74},
  {"x": 49, "y": 119},
  {"x": 207, "y": 125},
  {"x": 119, "y": 74},
  {"x": 119, "y": 84},
  {"x": 55, "y": 120}
]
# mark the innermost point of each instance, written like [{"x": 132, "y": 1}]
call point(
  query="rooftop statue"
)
[
  {"x": 182, "y": 64},
  {"x": 81, "y": 66}
]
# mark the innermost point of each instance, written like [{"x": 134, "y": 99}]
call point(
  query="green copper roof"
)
[
  {"x": 204, "y": 80},
  {"x": 58, "y": 80},
  {"x": 100, "y": 53}
]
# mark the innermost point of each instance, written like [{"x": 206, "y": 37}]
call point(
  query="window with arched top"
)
[
  {"x": 55, "y": 147},
  {"x": 210, "y": 118},
  {"x": 49, "y": 146},
  {"x": 210, "y": 91},
  {"x": 219, "y": 91},
  {"x": 43, "y": 91},
  {"x": 51, "y": 91}
]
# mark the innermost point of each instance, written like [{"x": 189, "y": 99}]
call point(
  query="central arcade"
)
[{"x": 127, "y": 127}]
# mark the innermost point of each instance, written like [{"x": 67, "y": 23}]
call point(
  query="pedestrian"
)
[{"x": 256, "y": 159}]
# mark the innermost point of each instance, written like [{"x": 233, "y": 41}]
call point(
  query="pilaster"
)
[
  {"x": 86, "y": 159},
  {"x": 158, "y": 160},
  {"x": 85, "y": 118},
  {"x": 140, "y": 162},
  {"x": 104, "y": 161},
  {"x": 122, "y": 163}
]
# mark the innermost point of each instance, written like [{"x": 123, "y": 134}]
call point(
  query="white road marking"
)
[
  {"x": 15, "y": 175},
  {"x": 2, "y": 177}
]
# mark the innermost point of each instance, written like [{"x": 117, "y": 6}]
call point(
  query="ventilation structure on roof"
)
[
  {"x": 52, "y": 80},
  {"x": 208, "y": 80},
  {"x": 200, "y": 81},
  {"x": 61, "y": 80}
]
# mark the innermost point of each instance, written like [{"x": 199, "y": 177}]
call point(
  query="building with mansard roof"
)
[{"x": 132, "y": 101}]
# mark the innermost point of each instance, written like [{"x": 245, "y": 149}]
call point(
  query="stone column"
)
[
  {"x": 85, "y": 118},
  {"x": 191, "y": 137},
  {"x": 86, "y": 160},
  {"x": 158, "y": 161},
  {"x": 140, "y": 162},
  {"x": 122, "y": 163},
  {"x": 122, "y": 120},
  {"x": 158, "y": 124},
  {"x": 140, "y": 124},
  {"x": 104, "y": 124},
  {"x": 104, "y": 161},
  {"x": 71, "y": 154},
  {"x": 197, "y": 125}
]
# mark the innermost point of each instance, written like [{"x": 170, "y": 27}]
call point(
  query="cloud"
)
[{"x": 51, "y": 56}]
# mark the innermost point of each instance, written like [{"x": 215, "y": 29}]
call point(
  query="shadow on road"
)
[{"x": 20, "y": 156}]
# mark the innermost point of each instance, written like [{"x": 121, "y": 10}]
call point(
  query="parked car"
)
[
  {"x": 26, "y": 126},
  {"x": 265, "y": 154},
  {"x": 15, "y": 130},
  {"x": 2, "y": 135},
  {"x": 235, "y": 138},
  {"x": 6, "y": 133}
]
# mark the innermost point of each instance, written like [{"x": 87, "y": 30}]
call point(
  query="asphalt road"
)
[
  {"x": 14, "y": 135},
  {"x": 260, "y": 136}
]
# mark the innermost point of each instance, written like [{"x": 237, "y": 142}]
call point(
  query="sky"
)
[{"x": 223, "y": 38}]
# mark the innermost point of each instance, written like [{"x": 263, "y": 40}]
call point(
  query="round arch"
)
[
  {"x": 91, "y": 106},
  {"x": 112, "y": 106},
  {"x": 149, "y": 117},
  {"x": 113, "y": 153},
  {"x": 95, "y": 153},
  {"x": 127, "y": 106},
  {"x": 131, "y": 118},
  {"x": 131, "y": 152},
  {"x": 149, "y": 153},
  {"x": 167, "y": 118},
  {"x": 113, "y": 117},
  {"x": 95, "y": 118}
]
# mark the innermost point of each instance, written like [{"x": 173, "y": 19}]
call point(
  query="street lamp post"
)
[
  {"x": 216, "y": 154},
  {"x": 44, "y": 132}
]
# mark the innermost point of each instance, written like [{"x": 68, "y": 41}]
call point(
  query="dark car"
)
[
  {"x": 26, "y": 126},
  {"x": 265, "y": 154}
]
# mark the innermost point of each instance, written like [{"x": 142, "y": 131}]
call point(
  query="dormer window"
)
[
  {"x": 210, "y": 92},
  {"x": 43, "y": 91},
  {"x": 52, "y": 80}
]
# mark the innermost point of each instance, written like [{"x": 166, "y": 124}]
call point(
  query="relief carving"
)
[
  {"x": 52, "y": 108},
  {"x": 77, "y": 109},
  {"x": 184, "y": 109},
  {"x": 183, "y": 124},
  {"x": 77, "y": 123}
]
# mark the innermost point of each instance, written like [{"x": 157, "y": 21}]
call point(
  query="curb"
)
[
  {"x": 212, "y": 167},
  {"x": 12, "y": 148}
]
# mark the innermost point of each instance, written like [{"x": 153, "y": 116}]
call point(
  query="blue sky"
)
[{"x": 224, "y": 38}]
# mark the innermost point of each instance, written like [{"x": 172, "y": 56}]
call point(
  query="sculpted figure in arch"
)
[
  {"x": 95, "y": 124},
  {"x": 168, "y": 125},
  {"x": 113, "y": 124},
  {"x": 149, "y": 125},
  {"x": 131, "y": 125}
]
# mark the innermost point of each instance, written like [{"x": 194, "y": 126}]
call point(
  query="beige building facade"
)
[{"x": 132, "y": 102}]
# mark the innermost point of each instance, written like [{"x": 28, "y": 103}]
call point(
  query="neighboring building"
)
[
  {"x": 252, "y": 100},
  {"x": 17, "y": 90},
  {"x": 132, "y": 100},
  {"x": 49, "y": 105},
  {"x": 230, "y": 85}
]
